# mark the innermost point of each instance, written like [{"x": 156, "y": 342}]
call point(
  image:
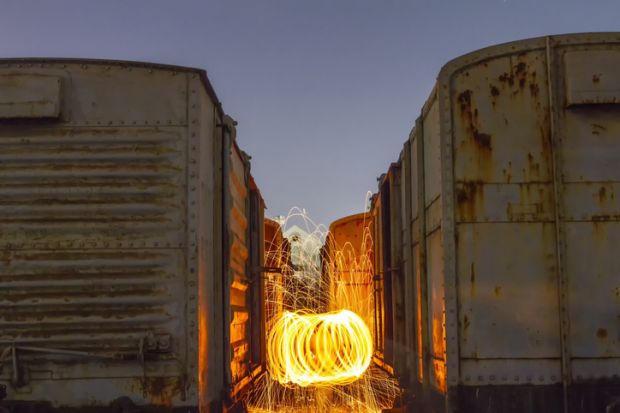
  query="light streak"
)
[
  {"x": 307, "y": 288},
  {"x": 319, "y": 349}
]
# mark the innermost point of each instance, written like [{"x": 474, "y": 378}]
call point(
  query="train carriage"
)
[
  {"x": 506, "y": 233},
  {"x": 130, "y": 238}
]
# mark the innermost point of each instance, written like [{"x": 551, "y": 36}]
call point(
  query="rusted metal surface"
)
[
  {"x": 350, "y": 265},
  {"x": 244, "y": 278},
  {"x": 109, "y": 242},
  {"x": 29, "y": 96},
  {"x": 276, "y": 263},
  {"x": 238, "y": 277},
  {"x": 518, "y": 180},
  {"x": 591, "y": 76}
]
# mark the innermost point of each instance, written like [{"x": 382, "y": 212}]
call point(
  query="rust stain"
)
[
  {"x": 507, "y": 78},
  {"x": 507, "y": 173},
  {"x": 533, "y": 166},
  {"x": 482, "y": 139},
  {"x": 596, "y": 78},
  {"x": 470, "y": 119},
  {"x": 468, "y": 194},
  {"x": 601, "y": 333},
  {"x": 464, "y": 100},
  {"x": 494, "y": 91},
  {"x": 498, "y": 291},
  {"x": 597, "y": 129},
  {"x": 519, "y": 76},
  {"x": 162, "y": 390},
  {"x": 602, "y": 195}
]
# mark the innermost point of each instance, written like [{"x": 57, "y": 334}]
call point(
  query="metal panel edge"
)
[
  {"x": 47, "y": 61},
  {"x": 449, "y": 243},
  {"x": 193, "y": 154}
]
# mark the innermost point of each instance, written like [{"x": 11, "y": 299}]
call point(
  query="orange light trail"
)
[
  {"x": 319, "y": 313},
  {"x": 319, "y": 349}
]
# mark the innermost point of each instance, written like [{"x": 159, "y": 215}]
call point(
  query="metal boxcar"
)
[
  {"x": 348, "y": 266},
  {"x": 130, "y": 231},
  {"x": 277, "y": 256},
  {"x": 506, "y": 231}
]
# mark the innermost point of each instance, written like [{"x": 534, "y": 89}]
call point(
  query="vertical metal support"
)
[
  {"x": 193, "y": 236},
  {"x": 448, "y": 231},
  {"x": 16, "y": 380},
  {"x": 226, "y": 242},
  {"x": 422, "y": 267},
  {"x": 407, "y": 268},
  {"x": 377, "y": 278},
  {"x": 387, "y": 284},
  {"x": 396, "y": 271},
  {"x": 560, "y": 236}
]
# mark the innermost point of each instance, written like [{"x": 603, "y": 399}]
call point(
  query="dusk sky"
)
[{"x": 325, "y": 91}]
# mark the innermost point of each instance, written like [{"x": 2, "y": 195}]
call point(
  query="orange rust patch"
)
[
  {"x": 466, "y": 192},
  {"x": 482, "y": 139},
  {"x": 162, "y": 390},
  {"x": 507, "y": 78},
  {"x": 470, "y": 119}
]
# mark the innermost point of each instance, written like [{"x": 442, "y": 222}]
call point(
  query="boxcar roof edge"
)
[{"x": 159, "y": 66}]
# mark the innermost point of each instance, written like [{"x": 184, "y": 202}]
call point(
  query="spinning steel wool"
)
[{"x": 319, "y": 349}]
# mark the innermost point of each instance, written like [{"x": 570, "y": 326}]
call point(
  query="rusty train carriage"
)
[
  {"x": 348, "y": 266},
  {"x": 274, "y": 285},
  {"x": 508, "y": 226},
  {"x": 278, "y": 268},
  {"x": 130, "y": 236}
]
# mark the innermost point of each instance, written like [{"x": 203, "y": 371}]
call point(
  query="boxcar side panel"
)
[
  {"x": 434, "y": 247},
  {"x": 407, "y": 268},
  {"x": 506, "y": 234},
  {"x": 238, "y": 279},
  {"x": 204, "y": 175},
  {"x": 395, "y": 270},
  {"x": 349, "y": 249},
  {"x": 590, "y": 155},
  {"x": 93, "y": 239}
]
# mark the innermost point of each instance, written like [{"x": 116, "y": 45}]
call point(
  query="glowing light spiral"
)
[{"x": 319, "y": 349}]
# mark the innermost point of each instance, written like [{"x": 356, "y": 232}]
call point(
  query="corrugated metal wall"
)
[
  {"x": 112, "y": 281},
  {"x": 245, "y": 278},
  {"x": 92, "y": 268}
]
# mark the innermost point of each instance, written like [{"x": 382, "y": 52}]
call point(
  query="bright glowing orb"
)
[{"x": 319, "y": 349}]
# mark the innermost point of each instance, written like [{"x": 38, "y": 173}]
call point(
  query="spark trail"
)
[
  {"x": 319, "y": 349},
  {"x": 318, "y": 311}
]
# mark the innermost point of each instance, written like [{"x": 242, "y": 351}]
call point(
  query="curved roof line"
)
[
  {"x": 126, "y": 63},
  {"x": 517, "y": 46}
]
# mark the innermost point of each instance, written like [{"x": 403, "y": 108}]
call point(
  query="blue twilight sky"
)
[{"x": 325, "y": 91}]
